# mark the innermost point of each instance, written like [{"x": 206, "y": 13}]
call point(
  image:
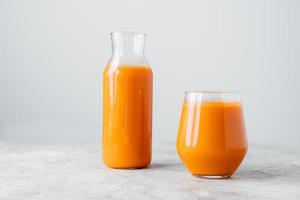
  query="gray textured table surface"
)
[{"x": 76, "y": 172}]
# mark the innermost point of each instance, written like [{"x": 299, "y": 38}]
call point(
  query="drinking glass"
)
[{"x": 212, "y": 139}]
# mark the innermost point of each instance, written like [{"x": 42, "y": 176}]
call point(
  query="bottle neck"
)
[{"x": 128, "y": 44}]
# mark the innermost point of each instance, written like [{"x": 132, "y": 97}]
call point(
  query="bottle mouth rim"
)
[{"x": 142, "y": 34}]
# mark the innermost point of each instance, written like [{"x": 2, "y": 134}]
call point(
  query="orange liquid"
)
[
  {"x": 212, "y": 139},
  {"x": 127, "y": 116}
]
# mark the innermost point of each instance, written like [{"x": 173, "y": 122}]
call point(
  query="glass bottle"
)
[{"x": 127, "y": 103}]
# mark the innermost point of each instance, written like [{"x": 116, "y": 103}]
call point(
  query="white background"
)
[{"x": 52, "y": 55}]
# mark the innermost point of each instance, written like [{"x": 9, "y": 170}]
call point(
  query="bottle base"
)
[{"x": 128, "y": 168}]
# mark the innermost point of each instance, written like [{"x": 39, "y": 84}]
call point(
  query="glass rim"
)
[
  {"x": 128, "y": 33},
  {"x": 212, "y": 92}
]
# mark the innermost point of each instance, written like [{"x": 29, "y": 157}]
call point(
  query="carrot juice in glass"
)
[
  {"x": 127, "y": 104},
  {"x": 211, "y": 138}
]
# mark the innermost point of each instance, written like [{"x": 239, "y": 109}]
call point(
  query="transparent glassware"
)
[
  {"x": 127, "y": 103},
  {"x": 212, "y": 139}
]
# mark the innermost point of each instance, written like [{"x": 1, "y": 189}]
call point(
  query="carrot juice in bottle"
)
[{"x": 127, "y": 104}]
